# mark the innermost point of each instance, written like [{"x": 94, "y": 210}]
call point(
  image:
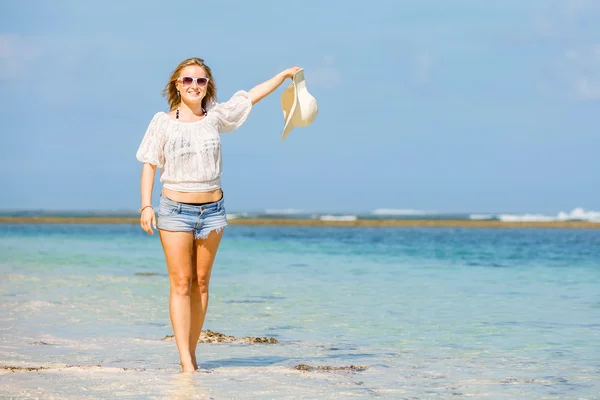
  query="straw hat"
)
[{"x": 299, "y": 107}]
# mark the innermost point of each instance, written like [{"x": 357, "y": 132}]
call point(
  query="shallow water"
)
[{"x": 430, "y": 313}]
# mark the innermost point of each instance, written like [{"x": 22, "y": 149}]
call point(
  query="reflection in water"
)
[{"x": 187, "y": 386}]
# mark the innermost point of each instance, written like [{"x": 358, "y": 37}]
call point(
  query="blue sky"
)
[{"x": 431, "y": 105}]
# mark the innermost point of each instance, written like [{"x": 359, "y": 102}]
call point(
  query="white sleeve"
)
[
  {"x": 151, "y": 148},
  {"x": 232, "y": 113}
]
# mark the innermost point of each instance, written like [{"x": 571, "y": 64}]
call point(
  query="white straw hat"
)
[{"x": 299, "y": 107}]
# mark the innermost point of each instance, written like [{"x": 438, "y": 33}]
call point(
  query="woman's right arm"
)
[{"x": 148, "y": 218}]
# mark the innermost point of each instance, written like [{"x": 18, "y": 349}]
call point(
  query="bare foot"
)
[
  {"x": 194, "y": 363},
  {"x": 188, "y": 368}
]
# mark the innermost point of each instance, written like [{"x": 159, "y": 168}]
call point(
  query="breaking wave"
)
[
  {"x": 577, "y": 214},
  {"x": 394, "y": 211}
]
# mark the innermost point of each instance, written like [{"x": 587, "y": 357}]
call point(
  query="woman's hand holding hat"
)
[
  {"x": 299, "y": 106},
  {"x": 290, "y": 72}
]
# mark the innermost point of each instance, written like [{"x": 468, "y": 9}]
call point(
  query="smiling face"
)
[{"x": 192, "y": 91}]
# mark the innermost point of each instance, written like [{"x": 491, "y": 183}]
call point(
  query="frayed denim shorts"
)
[{"x": 200, "y": 219}]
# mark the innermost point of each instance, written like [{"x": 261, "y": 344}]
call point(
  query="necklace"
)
[{"x": 177, "y": 113}]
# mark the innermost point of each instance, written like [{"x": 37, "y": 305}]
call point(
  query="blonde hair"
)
[{"x": 170, "y": 91}]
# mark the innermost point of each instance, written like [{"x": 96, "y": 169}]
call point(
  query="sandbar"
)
[{"x": 384, "y": 223}]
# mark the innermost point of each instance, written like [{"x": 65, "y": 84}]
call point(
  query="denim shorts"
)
[{"x": 181, "y": 217}]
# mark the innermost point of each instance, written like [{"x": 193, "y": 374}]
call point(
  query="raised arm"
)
[{"x": 262, "y": 90}]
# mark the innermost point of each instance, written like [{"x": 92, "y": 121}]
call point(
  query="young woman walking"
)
[{"x": 185, "y": 144}]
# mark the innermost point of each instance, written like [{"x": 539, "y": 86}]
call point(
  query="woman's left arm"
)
[{"x": 262, "y": 90}]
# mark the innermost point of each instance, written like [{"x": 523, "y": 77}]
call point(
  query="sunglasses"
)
[{"x": 188, "y": 80}]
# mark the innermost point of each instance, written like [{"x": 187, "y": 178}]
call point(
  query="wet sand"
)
[{"x": 432, "y": 223}]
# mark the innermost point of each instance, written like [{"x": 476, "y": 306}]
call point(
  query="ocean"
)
[
  {"x": 576, "y": 214},
  {"x": 388, "y": 313}
]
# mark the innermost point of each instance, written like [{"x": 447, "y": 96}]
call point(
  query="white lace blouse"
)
[{"x": 189, "y": 153}]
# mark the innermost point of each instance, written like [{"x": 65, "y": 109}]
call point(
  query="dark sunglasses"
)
[{"x": 188, "y": 80}]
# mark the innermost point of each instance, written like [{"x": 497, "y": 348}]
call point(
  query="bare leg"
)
[
  {"x": 196, "y": 327},
  {"x": 205, "y": 251},
  {"x": 178, "y": 249}
]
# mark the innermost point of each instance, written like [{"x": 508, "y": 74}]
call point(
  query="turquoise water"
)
[{"x": 430, "y": 313}]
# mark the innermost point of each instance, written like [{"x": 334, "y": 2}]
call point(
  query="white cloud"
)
[
  {"x": 565, "y": 20},
  {"x": 543, "y": 26},
  {"x": 16, "y": 54},
  {"x": 423, "y": 66},
  {"x": 329, "y": 60},
  {"x": 582, "y": 69},
  {"x": 587, "y": 90},
  {"x": 569, "y": 26},
  {"x": 327, "y": 77},
  {"x": 574, "y": 9}
]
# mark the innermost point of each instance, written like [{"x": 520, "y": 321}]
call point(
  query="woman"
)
[{"x": 185, "y": 144}]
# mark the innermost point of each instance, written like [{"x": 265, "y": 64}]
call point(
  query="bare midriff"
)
[{"x": 193, "y": 197}]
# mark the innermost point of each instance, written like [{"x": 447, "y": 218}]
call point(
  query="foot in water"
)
[{"x": 188, "y": 367}]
